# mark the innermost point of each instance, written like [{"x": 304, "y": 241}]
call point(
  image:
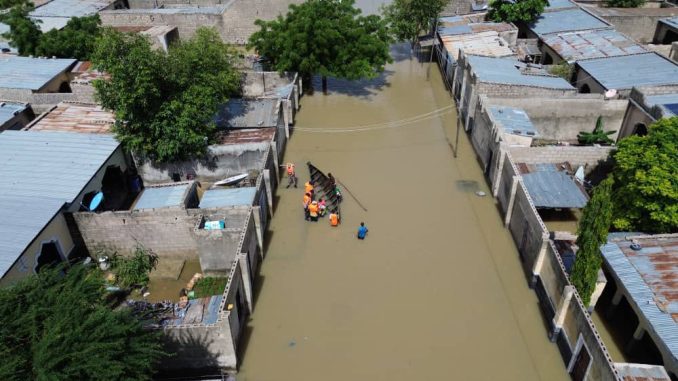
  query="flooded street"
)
[{"x": 435, "y": 292}]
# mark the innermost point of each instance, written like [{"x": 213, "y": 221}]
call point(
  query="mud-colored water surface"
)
[{"x": 435, "y": 292}]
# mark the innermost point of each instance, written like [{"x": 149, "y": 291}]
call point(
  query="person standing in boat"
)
[
  {"x": 307, "y": 201},
  {"x": 313, "y": 211},
  {"x": 334, "y": 218},
  {"x": 331, "y": 180},
  {"x": 309, "y": 188},
  {"x": 322, "y": 207}
]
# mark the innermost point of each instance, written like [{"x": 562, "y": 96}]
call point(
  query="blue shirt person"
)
[{"x": 362, "y": 231}]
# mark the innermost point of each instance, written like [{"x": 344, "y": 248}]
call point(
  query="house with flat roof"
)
[
  {"x": 14, "y": 115},
  {"x": 622, "y": 73},
  {"x": 286, "y": 87},
  {"x": 46, "y": 176},
  {"x": 501, "y": 77},
  {"x": 643, "y": 270},
  {"x": 586, "y": 44}
]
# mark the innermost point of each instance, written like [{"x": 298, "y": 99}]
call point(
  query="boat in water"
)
[{"x": 324, "y": 188}]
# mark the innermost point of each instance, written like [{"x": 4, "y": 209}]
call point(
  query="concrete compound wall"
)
[
  {"x": 267, "y": 84},
  {"x": 235, "y": 24},
  {"x": 563, "y": 119},
  {"x": 588, "y": 156},
  {"x": 639, "y": 24},
  {"x": 41, "y": 102}
]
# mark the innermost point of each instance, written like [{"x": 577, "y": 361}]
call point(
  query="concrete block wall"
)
[
  {"x": 504, "y": 185},
  {"x": 41, "y": 102},
  {"x": 562, "y": 119},
  {"x": 638, "y": 26},
  {"x": 526, "y": 227},
  {"x": 588, "y": 156},
  {"x": 186, "y": 22},
  {"x": 482, "y": 137}
]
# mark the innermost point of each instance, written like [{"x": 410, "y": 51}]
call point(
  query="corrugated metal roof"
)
[
  {"x": 579, "y": 45},
  {"x": 9, "y": 109},
  {"x": 48, "y": 23},
  {"x": 75, "y": 117},
  {"x": 667, "y": 103},
  {"x": 219, "y": 198},
  {"x": 454, "y": 30},
  {"x": 625, "y": 72},
  {"x": 641, "y": 372},
  {"x": 513, "y": 120},
  {"x": 505, "y": 71},
  {"x": 166, "y": 196},
  {"x": 212, "y": 10},
  {"x": 22, "y": 218},
  {"x": 649, "y": 277},
  {"x": 671, "y": 21},
  {"x": 552, "y": 189},
  {"x": 70, "y": 8},
  {"x": 30, "y": 73},
  {"x": 41, "y": 171},
  {"x": 482, "y": 44},
  {"x": 566, "y": 20},
  {"x": 243, "y": 113},
  {"x": 559, "y": 4},
  {"x": 4, "y": 28}
]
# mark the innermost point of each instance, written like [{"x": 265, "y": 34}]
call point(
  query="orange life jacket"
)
[
  {"x": 334, "y": 219},
  {"x": 307, "y": 200},
  {"x": 308, "y": 187}
]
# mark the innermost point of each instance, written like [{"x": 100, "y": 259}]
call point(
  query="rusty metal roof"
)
[
  {"x": 254, "y": 135},
  {"x": 75, "y": 117},
  {"x": 649, "y": 276},
  {"x": 579, "y": 45},
  {"x": 641, "y": 372}
]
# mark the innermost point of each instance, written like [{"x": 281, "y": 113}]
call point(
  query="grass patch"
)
[{"x": 209, "y": 286}]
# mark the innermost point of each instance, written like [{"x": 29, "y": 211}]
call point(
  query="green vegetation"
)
[
  {"x": 325, "y": 37},
  {"x": 592, "y": 232},
  {"x": 515, "y": 11},
  {"x": 598, "y": 136},
  {"x": 646, "y": 177},
  {"x": 408, "y": 18},
  {"x": 624, "y": 3},
  {"x": 164, "y": 103},
  {"x": 209, "y": 286},
  {"x": 75, "y": 40},
  {"x": 56, "y": 326},
  {"x": 133, "y": 271},
  {"x": 562, "y": 70}
]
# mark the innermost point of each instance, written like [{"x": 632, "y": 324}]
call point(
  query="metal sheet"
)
[
  {"x": 242, "y": 113},
  {"x": 552, "y": 189},
  {"x": 8, "y": 110},
  {"x": 218, "y": 198},
  {"x": 566, "y": 20},
  {"x": 162, "y": 197},
  {"x": 505, "y": 71},
  {"x": 513, "y": 120},
  {"x": 30, "y": 73},
  {"x": 625, "y": 72},
  {"x": 574, "y": 46}
]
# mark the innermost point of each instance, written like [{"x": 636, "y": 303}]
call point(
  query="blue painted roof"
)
[
  {"x": 566, "y": 20},
  {"x": 217, "y": 198},
  {"x": 671, "y": 21},
  {"x": 504, "y": 71},
  {"x": 667, "y": 102},
  {"x": 40, "y": 172},
  {"x": 648, "y": 277},
  {"x": 553, "y": 189},
  {"x": 70, "y": 8},
  {"x": 454, "y": 30},
  {"x": 625, "y": 72},
  {"x": 8, "y": 110},
  {"x": 4, "y": 28},
  {"x": 162, "y": 197},
  {"x": 575, "y": 46},
  {"x": 451, "y": 19},
  {"x": 559, "y": 4},
  {"x": 30, "y": 73},
  {"x": 513, "y": 120}
]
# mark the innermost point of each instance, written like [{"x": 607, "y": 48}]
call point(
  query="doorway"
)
[
  {"x": 50, "y": 256},
  {"x": 579, "y": 366}
]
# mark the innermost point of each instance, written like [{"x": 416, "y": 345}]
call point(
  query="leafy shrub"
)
[{"x": 133, "y": 271}]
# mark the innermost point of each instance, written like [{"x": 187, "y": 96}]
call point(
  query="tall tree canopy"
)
[
  {"x": 75, "y": 40},
  {"x": 408, "y": 18},
  {"x": 646, "y": 178},
  {"x": 58, "y": 327},
  {"x": 165, "y": 103},
  {"x": 591, "y": 233},
  {"x": 515, "y": 11},
  {"x": 326, "y": 37}
]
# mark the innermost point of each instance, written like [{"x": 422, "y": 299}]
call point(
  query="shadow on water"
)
[{"x": 364, "y": 88}]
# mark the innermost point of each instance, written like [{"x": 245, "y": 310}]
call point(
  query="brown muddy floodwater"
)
[{"x": 435, "y": 292}]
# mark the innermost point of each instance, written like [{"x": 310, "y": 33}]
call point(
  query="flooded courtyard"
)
[{"x": 435, "y": 292}]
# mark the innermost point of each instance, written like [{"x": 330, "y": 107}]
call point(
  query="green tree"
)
[
  {"x": 515, "y": 11},
  {"x": 598, "y": 136},
  {"x": 164, "y": 104},
  {"x": 624, "y": 3},
  {"x": 591, "y": 234},
  {"x": 75, "y": 40},
  {"x": 408, "y": 18},
  {"x": 646, "y": 174},
  {"x": 24, "y": 33},
  {"x": 56, "y": 326},
  {"x": 325, "y": 37}
]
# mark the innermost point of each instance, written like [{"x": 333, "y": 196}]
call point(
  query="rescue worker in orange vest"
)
[
  {"x": 307, "y": 202},
  {"x": 334, "y": 218},
  {"x": 313, "y": 211},
  {"x": 308, "y": 187},
  {"x": 291, "y": 175}
]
